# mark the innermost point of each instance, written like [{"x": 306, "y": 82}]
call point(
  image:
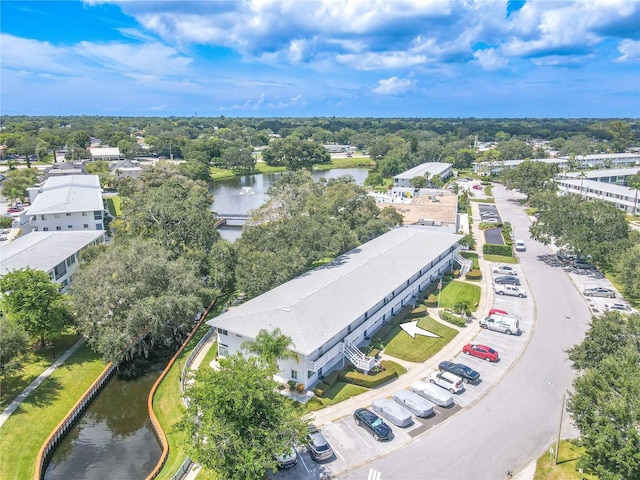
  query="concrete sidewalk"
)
[{"x": 41, "y": 378}]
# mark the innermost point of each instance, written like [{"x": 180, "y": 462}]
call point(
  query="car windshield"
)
[
  {"x": 377, "y": 422},
  {"x": 491, "y": 350}
]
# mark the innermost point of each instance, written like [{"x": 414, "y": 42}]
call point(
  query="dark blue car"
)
[
  {"x": 373, "y": 423},
  {"x": 461, "y": 370}
]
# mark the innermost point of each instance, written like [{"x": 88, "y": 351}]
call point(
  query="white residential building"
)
[
  {"x": 608, "y": 175},
  {"x": 622, "y": 197},
  {"x": 55, "y": 253},
  {"x": 105, "y": 153},
  {"x": 442, "y": 169},
  {"x": 332, "y": 309},
  {"x": 70, "y": 202}
]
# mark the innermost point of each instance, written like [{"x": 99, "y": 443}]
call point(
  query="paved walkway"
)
[{"x": 27, "y": 391}]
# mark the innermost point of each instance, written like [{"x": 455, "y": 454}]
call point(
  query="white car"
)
[
  {"x": 511, "y": 290},
  {"x": 505, "y": 270},
  {"x": 619, "y": 307},
  {"x": 448, "y": 381}
]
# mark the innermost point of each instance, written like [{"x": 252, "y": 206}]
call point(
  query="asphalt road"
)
[{"x": 518, "y": 419}]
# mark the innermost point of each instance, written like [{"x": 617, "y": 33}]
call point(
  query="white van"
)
[
  {"x": 433, "y": 393},
  {"x": 520, "y": 246},
  {"x": 501, "y": 323}
]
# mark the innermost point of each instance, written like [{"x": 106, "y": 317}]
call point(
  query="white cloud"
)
[
  {"x": 490, "y": 59},
  {"x": 630, "y": 51},
  {"x": 381, "y": 61},
  {"x": 393, "y": 86}
]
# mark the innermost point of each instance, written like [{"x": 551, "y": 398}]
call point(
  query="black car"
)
[
  {"x": 461, "y": 370},
  {"x": 373, "y": 423},
  {"x": 508, "y": 280},
  {"x": 584, "y": 265}
]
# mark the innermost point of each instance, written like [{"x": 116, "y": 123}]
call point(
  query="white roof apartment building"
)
[
  {"x": 55, "y": 253},
  {"x": 105, "y": 153},
  {"x": 622, "y": 197},
  {"x": 608, "y": 175},
  {"x": 444, "y": 170},
  {"x": 70, "y": 202},
  {"x": 332, "y": 309}
]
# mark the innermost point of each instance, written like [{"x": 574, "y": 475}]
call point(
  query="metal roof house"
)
[
  {"x": 332, "y": 309},
  {"x": 55, "y": 253},
  {"x": 608, "y": 175},
  {"x": 69, "y": 202},
  {"x": 444, "y": 170},
  {"x": 105, "y": 153},
  {"x": 625, "y": 198}
]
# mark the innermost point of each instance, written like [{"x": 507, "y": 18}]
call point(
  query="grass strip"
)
[
  {"x": 35, "y": 362},
  {"x": 567, "y": 467},
  {"x": 25, "y": 431},
  {"x": 114, "y": 206},
  {"x": 500, "y": 258},
  {"x": 338, "y": 392},
  {"x": 399, "y": 344}
]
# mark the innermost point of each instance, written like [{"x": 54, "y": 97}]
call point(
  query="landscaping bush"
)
[
  {"x": 432, "y": 300},
  {"x": 369, "y": 381},
  {"x": 473, "y": 257},
  {"x": 320, "y": 389},
  {"x": 332, "y": 378},
  {"x": 474, "y": 274},
  {"x": 493, "y": 249},
  {"x": 451, "y": 318},
  {"x": 374, "y": 352},
  {"x": 5, "y": 222}
]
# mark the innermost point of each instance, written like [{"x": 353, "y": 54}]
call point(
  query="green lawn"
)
[
  {"x": 338, "y": 392},
  {"x": 500, "y": 258},
  {"x": 114, "y": 206},
  {"x": 473, "y": 256},
  {"x": 399, "y": 344},
  {"x": 23, "y": 434},
  {"x": 567, "y": 467},
  {"x": 455, "y": 292},
  {"x": 35, "y": 362}
]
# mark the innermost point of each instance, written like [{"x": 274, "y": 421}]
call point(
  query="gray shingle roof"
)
[{"x": 314, "y": 307}]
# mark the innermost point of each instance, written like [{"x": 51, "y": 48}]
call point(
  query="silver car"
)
[
  {"x": 599, "y": 292},
  {"x": 420, "y": 407},
  {"x": 318, "y": 447},
  {"x": 393, "y": 412}
]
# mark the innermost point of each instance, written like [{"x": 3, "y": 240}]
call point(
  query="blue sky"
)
[{"x": 271, "y": 58}]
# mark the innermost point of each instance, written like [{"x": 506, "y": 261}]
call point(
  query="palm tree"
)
[
  {"x": 582, "y": 176},
  {"x": 271, "y": 346}
]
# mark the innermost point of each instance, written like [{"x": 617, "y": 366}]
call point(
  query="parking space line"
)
[
  {"x": 337, "y": 453},
  {"x": 359, "y": 436},
  {"x": 303, "y": 464}
]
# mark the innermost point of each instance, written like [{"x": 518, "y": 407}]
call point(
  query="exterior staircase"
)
[
  {"x": 465, "y": 263},
  {"x": 359, "y": 359}
]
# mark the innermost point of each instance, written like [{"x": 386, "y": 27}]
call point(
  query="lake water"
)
[
  {"x": 113, "y": 439},
  {"x": 248, "y": 192}
]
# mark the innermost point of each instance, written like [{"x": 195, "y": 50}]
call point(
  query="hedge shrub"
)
[
  {"x": 432, "y": 301},
  {"x": 6, "y": 222},
  {"x": 451, "y": 318},
  {"x": 493, "y": 249},
  {"x": 332, "y": 378},
  {"x": 321, "y": 389},
  {"x": 369, "y": 381},
  {"x": 474, "y": 274}
]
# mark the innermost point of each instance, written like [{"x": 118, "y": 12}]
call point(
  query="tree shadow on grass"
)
[{"x": 45, "y": 394}]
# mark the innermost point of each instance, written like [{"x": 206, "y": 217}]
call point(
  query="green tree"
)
[
  {"x": 132, "y": 297},
  {"x": 13, "y": 345},
  {"x": 529, "y": 177},
  {"x": 239, "y": 160},
  {"x": 605, "y": 402},
  {"x": 419, "y": 182},
  {"x": 627, "y": 270},
  {"x": 15, "y": 185},
  {"x": 271, "y": 347},
  {"x": 100, "y": 168},
  {"x": 590, "y": 227},
  {"x": 622, "y": 137},
  {"x": 33, "y": 301},
  {"x": 634, "y": 182},
  {"x": 295, "y": 154},
  {"x": 195, "y": 170},
  {"x": 237, "y": 421}
]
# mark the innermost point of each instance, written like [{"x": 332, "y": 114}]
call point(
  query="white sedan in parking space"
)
[
  {"x": 619, "y": 307},
  {"x": 505, "y": 270}
]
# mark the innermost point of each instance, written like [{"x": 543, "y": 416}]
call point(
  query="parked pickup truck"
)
[{"x": 509, "y": 290}]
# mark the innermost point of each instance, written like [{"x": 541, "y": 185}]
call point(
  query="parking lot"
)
[{"x": 353, "y": 445}]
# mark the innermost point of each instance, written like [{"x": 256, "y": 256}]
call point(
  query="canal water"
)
[
  {"x": 113, "y": 439},
  {"x": 241, "y": 194}
]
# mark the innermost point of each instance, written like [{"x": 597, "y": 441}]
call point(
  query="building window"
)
[
  {"x": 64, "y": 283},
  {"x": 59, "y": 270},
  {"x": 58, "y": 228},
  {"x": 86, "y": 225},
  {"x": 42, "y": 217},
  {"x": 97, "y": 215},
  {"x": 84, "y": 214},
  {"x": 68, "y": 214},
  {"x": 223, "y": 350},
  {"x": 44, "y": 229},
  {"x": 98, "y": 226},
  {"x": 310, "y": 373},
  {"x": 222, "y": 332},
  {"x": 71, "y": 260},
  {"x": 294, "y": 374},
  {"x": 69, "y": 227}
]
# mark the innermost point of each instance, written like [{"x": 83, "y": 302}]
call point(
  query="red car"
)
[
  {"x": 481, "y": 351},
  {"x": 494, "y": 311},
  {"x": 477, "y": 187},
  {"x": 13, "y": 210}
]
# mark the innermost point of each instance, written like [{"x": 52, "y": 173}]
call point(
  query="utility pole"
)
[{"x": 560, "y": 429}]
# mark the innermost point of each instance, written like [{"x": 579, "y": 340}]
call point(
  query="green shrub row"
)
[
  {"x": 321, "y": 389},
  {"x": 369, "y": 381},
  {"x": 474, "y": 274},
  {"x": 431, "y": 301},
  {"x": 493, "y": 249},
  {"x": 451, "y": 318},
  {"x": 473, "y": 257},
  {"x": 5, "y": 221}
]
